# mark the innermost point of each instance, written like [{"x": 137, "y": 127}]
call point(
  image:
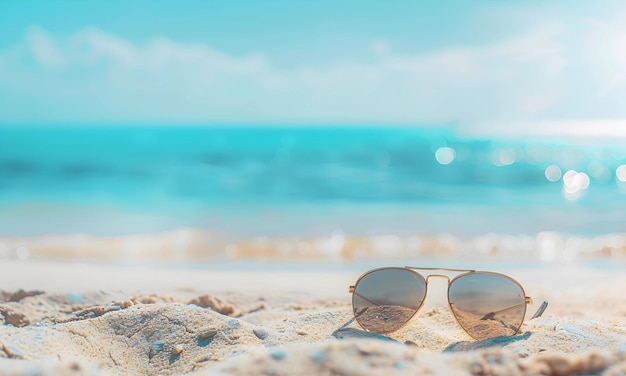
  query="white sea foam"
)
[{"x": 189, "y": 245}]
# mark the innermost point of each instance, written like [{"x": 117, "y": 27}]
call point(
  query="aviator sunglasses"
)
[{"x": 484, "y": 304}]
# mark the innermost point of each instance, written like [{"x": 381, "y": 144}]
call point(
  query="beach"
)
[
  {"x": 230, "y": 250},
  {"x": 203, "y": 190},
  {"x": 287, "y": 318}
]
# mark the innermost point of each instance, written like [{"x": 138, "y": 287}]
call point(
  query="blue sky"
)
[{"x": 482, "y": 66}]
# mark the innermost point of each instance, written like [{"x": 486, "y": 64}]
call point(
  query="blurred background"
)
[{"x": 161, "y": 131}]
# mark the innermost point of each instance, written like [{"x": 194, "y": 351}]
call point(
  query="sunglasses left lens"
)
[{"x": 386, "y": 299}]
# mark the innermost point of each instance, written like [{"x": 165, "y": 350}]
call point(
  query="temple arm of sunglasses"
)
[
  {"x": 366, "y": 299},
  {"x": 540, "y": 311},
  {"x": 491, "y": 315}
]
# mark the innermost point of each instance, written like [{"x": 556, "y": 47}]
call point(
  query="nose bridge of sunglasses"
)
[
  {"x": 437, "y": 290},
  {"x": 437, "y": 276}
]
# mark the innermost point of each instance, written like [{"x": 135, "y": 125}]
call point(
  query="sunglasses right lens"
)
[
  {"x": 487, "y": 305},
  {"x": 386, "y": 299}
]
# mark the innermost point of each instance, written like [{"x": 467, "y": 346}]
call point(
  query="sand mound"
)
[
  {"x": 157, "y": 334},
  {"x": 374, "y": 357}
]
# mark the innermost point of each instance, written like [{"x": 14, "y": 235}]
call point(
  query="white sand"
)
[{"x": 123, "y": 320}]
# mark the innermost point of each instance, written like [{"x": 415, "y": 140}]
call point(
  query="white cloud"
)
[
  {"x": 93, "y": 76},
  {"x": 584, "y": 128},
  {"x": 380, "y": 47},
  {"x": 607, "y": 49},
  {"x": 580, "y": 130},
  {"x": 91, "y": 45},
  {"x": 42, "y": 46}
]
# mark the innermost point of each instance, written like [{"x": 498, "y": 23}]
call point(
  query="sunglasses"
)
[{"x": 484, "y": 304}]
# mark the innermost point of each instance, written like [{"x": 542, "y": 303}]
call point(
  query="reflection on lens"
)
[
  {"x": 386, "y": 299},
  {"x": 487, "y": 305}
]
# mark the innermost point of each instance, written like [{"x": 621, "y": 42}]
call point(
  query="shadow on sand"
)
[
  {"x": 343, "y": 332},
  {"x": 486, "y": 343}
]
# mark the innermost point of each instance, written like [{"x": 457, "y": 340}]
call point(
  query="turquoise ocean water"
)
[{"x": 246, "y": 182}]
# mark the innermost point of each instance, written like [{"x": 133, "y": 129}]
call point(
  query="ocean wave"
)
[{"x": 193, "y": 245}]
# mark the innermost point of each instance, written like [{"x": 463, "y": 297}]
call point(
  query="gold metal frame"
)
[{"x": 464, "y": 272}]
